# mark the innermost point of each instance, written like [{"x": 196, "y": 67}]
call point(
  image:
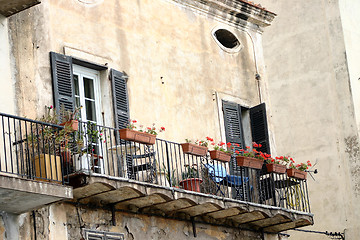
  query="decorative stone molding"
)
[{"x": 237, "y": 13}]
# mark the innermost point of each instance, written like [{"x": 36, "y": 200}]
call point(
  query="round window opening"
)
[{"x": 226, "y": 38}]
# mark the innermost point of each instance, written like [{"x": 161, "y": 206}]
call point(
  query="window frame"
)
[{"x": 82, "y": 72}]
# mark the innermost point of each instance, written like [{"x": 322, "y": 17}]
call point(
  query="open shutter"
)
[
  {"x": 259, "y": 128},
  {"x": 120, "y": 99},
  {"x": 62, "y": 76},
  {"x": 232, "y": 121}
]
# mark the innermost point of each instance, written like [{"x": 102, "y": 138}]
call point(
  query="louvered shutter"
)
[
  {"x": 62, "y": 76},
  {"x": 232, "y": 121},
  {"x": 120, "y": 99},
  {"x": 259, "y": 128}
]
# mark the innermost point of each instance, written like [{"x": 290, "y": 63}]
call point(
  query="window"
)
[
  {"x": 97, "y": 235},
  {"x": 244, "y": 126},
  {"x": 87, "y": 93},
  {"x": 236, "y": 117},
  {"x": 77, "y": 82},
  {"x": 226, "y": 40}
]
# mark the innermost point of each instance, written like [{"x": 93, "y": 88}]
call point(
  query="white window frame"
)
[
  {"x": 82, "y": 72},
  {"x": 92, "y": 74}
]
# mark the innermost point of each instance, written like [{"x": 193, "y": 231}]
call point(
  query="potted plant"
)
[
  {"x": 220, "y": 153},
  {"x": 199, "y": 148},
  {"x": 141, "y": 135},
  {"x": 49, "y": 146},
  {"x": 191, "y": 180},
  {"x": 298, "y": 171},
  {"x": 251, "y": 158},
  {"x": 70, "y": 118},
  {"x": 277, "y": 165}
]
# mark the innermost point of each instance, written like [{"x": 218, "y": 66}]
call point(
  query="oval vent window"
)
[{"x": 227, "y": 40}]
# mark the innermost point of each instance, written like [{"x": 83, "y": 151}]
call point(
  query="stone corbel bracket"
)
[{"x": 237, "y": 13}]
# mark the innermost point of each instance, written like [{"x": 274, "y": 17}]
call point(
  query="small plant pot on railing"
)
[
  {"x": 220, "y": 155},
  {"x": 275, "y": 168},
  {"x": 249, "y": 162},
  {"x": 194, "y": 149},
  {"x": 74, "y": 124},
  {"x": 136, "y": 136},
  {"x": 191, "y": 184},
  {"x": 295, "y": 173}
]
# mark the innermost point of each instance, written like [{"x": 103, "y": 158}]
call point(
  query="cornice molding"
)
[{"x": 237, "y": 13}]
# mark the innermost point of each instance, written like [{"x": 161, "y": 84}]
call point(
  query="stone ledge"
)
[
  {"x": 19, "y": 195},
  {"x": 138, "y": 197},
  {"x": 10, "y": 7},
  {"x": 234, "y": 12}
]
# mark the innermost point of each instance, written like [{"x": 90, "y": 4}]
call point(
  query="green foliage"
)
[{"x": 190, "y": 172}]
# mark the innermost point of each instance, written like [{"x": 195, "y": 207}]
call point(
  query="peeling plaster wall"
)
[
  {"x": 174, "y": 64},
  {"x": 65, "y": 221},
  {"x": 136, "y": 226},
  {"x": 313, "y": 102},
  {"x": 7, "y": 98},
  {"x": 15, "y": 226}
]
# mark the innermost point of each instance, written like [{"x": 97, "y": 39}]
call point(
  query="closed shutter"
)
[
  {"x": 120, "y": 99},
  {"x": 259, "y": 128},
  {"x": 62, "y": 76},
  {"x": 232, "y": 121}
]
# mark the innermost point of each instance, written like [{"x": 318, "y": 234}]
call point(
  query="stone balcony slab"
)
[
  {"x": 18, "y": 195},
  {"x": 146, "y": 198}
]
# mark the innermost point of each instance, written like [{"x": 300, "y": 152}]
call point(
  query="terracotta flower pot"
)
[
  {"x": 194, "y": 149},
  {"x": 220, "y": 156},
  {"x": 295, "y": 173},
  {"x": 136, "y": 136},
  {"x": 249, "y": 162},
  {"x": 74, "y": 124},
  {"x": 275, "y": 168},
  {"x": 191, "y": 184}
]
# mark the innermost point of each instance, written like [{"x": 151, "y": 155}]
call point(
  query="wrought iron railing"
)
[
  {"x": 165, "y": 164},
  {"x": 35, "y": 150},
  {"x": 31, "y": 149}
]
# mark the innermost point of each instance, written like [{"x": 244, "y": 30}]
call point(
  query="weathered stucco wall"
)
[
  {"x": 7, "y": 98},
  {"x": 313, "y": 111},
  {"x": 350, "y": 18},
  {"x": 64, "y": 221},
  {"x": 174, "y": 64}
]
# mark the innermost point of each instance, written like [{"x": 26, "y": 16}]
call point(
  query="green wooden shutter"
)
[
  {"x": 120, "y": 99},
  {"x": 62, "y": 76},
  {"x": 233, "y": 125},
  {"x": 259, "y": 128}
]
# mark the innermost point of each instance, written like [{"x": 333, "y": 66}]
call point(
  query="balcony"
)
[
  {"x": 120, "y": 175},
  {"x": 10, "y": 7},
  {"x": 149, "y": 179},
  {"x": 29, "y": 178}
]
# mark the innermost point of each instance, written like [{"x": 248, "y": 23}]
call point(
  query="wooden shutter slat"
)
[
  {"x": 120, "y": 99},
  {"x": 259, "y": 127},
  {"x": 62, "y": 76}
]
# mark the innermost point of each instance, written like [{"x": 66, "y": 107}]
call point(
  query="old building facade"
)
[
  {"x": 195, "y": 67},
  {"x": 314, "y": 91}
]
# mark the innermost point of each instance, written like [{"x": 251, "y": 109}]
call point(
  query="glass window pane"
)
[
  {"x": 76, "y": 84},
  {"x": 89, "y": 88},
  {"x": 90, "y": 110}
]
